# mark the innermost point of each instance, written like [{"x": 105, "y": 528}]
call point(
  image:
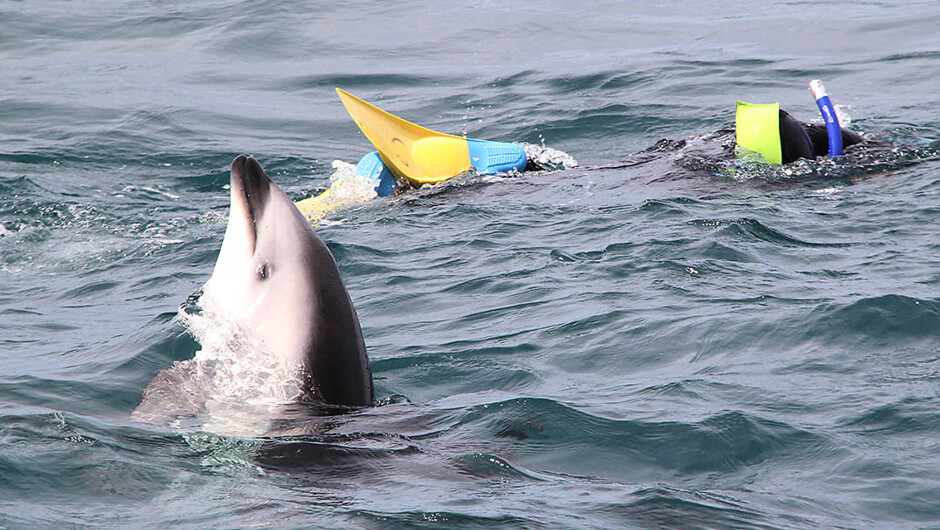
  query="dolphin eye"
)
[{"x": 263, "y": 271}]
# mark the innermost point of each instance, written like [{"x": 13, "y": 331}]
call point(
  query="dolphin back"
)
[{"x": 336, "y": 367}]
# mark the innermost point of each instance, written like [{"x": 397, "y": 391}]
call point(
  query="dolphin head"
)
[{"x": 279, "y": 284}]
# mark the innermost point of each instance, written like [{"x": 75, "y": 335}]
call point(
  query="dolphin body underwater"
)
[{"x": 278, "y": 285}]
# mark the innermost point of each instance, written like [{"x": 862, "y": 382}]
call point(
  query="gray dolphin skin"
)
[
  {"x": 290, "y": 281},
  {"x": 278, "y": 283}
]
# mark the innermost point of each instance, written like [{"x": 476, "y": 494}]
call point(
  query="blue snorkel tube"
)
[{"x": 829, "y": 116}]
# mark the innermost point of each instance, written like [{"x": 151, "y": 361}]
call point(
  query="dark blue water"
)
[{"x": 641, "y": 346}]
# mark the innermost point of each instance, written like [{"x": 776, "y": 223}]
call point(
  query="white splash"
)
[
  {"x": 842, "y": 113},
  {"x": 832, "y": 190},
  {"x": 238, "y": 367},
  {"x": 548, "y": 158},
  {"x": 346, "y": 187},
  {"x": 346, "y": 184},
  {"x": 243, "y": 384}
]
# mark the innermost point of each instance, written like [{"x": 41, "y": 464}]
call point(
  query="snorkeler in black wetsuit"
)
[
  {"x": 807, "y": 140},
  {"x": 767, "y": 133}
]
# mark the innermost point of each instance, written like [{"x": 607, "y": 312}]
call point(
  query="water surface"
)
[{"x": 642, "y": 346}]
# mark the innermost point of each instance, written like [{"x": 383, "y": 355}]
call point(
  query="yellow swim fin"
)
[
  {"x": 423, "y": 156},
  {"x": 316, "y": 208}
]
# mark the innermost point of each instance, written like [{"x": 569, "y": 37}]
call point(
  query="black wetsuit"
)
[{"x": 805, "y": 140}]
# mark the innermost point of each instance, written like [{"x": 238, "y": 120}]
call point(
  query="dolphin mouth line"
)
[{"x": 246, "y": 188}]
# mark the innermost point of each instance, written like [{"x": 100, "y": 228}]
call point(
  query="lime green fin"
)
[{"x": 757, "y": 130}]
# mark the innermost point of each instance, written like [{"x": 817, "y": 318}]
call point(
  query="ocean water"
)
[{"x": 641, "y": 344}]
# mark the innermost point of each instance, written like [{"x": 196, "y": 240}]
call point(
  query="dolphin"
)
[{"x": 279, "y": 285}]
